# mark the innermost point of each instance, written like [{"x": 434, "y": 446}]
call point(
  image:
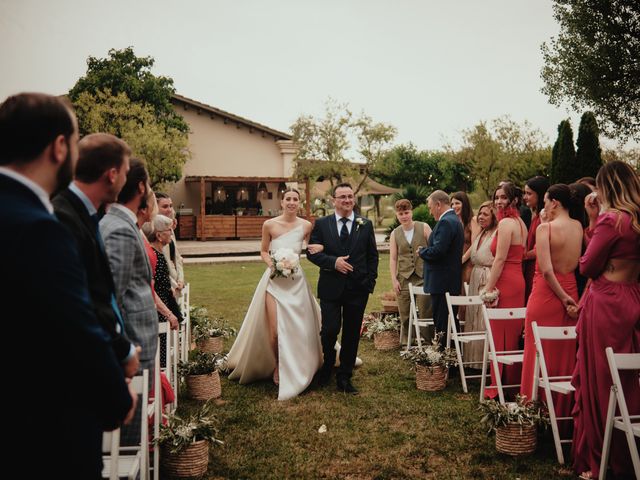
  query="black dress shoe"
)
[
  {"x": 322, "y": 378},
  {"x": 346, "y": 387}
]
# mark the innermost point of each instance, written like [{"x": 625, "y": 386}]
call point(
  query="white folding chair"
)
[
  {"x": 460, "y": 338},
  {"x": 497, "y": 357},
  {"x": 414, "y": 321},
  {"x": 620, "y": 361},
  {"x": 185, "y": 326},
  {"x": 127, "y": 462},
  {"x": 560, "y": 383}
]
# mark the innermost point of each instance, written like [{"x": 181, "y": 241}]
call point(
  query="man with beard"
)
[
  {"x": 100, "y": 174},
  {"x": 66, "y": 383}
]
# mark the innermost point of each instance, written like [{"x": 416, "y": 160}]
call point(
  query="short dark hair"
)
[
  {"x": 137, "y": 173},
  {"x": 402, "y": 205},
  {"x": 97, "y": 153},
  {"x": 29, "y": 122},
  {"x": 341, "y": 185}
]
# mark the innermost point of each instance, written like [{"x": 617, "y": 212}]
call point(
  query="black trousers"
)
[
  {"x": 345, "y": 312},
  {"x": 441, "y": 315}
]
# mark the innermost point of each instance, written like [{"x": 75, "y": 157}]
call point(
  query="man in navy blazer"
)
[
  {"x": 65, "y": 384},
  {"x": 443, "y": 259}
]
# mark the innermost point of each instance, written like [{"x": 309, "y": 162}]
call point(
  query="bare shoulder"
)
[{"x": 306, "y": 225}]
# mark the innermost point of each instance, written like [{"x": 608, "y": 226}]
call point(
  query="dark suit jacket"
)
[
  {"x": 443, "y": 256},
  {"x": 363, "y": 255},
  {"x": 63, "y": 375},
  {"x": 73, "y": 214}
]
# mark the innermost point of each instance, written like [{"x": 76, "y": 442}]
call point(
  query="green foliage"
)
[
  {"x": 422, "y": 214},
  {"x": 178, "y": 433},
  {"x": 521, "y": 412},
  {"x": 431, "y": 355},
  {"x": 123, "y": 72},
  {"x": 588, "y": 154},
  {"x": 503, "y": 149},
  {"x": 205, "y": 326},
  {"x": 378, "y": 324},
  {"x": 564, "y": 168},
  {"x": 416, "y": 194},
  {"x": 593, "y": 62},
  {"x": 202, "y": 363},
  {"x": 163, "y": 148}
]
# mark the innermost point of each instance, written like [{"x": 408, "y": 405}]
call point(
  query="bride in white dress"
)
[{"x": 280, "y": 335}]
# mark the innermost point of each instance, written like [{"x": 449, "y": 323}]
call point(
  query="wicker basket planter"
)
[
  {"x": 431, "y": 379},
  {"x": 211, "y": 345},
  {"x": 390, "y": 306},
  {"x": 204, "y": 387},
  {"x": 388, "y": 340},
  {"x": 515, "y": 439},
  {"x": 190, "y": 462}
]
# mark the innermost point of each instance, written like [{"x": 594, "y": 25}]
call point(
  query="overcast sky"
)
[{"x": 431, "y": 68}]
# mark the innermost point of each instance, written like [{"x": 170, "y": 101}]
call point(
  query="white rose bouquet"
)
[{"x": 285, "y": 262}]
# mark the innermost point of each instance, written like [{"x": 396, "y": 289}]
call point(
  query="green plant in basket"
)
[
  {"x": 379, "y": 324},
  {"x": 178, "y": 433},
  {"x": 521, "y": 412},
  {"x": 202, "y": 363},
  {"x": 198, "y": 315},
  {"x": 216, "y": 326},
  {"x": 431, "y": 356}
]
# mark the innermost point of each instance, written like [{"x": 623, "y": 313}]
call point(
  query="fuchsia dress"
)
[{"x": 609, "y": 317}]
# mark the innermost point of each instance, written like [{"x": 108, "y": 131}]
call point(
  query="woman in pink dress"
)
[
  {"x": 558, "y": 245},
  {"x": 609, "y": 316},
  {"x": 534, "y": 191},
  {"x": 506, "y": 275}
]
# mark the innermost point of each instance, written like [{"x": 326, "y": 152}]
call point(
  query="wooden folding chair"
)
[
  {"x": 560, "y": 383},
  {"x": 629, "y": 424},
  {"x": 128, "y": 462},
  {"x": 504, "y": 357},
  {"x": 416, "y": 322},
  {"x": 461, "y": 338}
]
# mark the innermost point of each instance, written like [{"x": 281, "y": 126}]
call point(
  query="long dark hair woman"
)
[{"x": 534, "y": 191}]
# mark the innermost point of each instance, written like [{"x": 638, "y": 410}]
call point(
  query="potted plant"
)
[
  {"x": 202, "y": 375},
  {"x": 385, "y": 330},
  {"x": 184, "y": 443},
  {"x": 515, "y": 424},
  {"x": 389, "y": 301},
  {"x": 431, "y": 364},
  {"x": 209, "y": 332}
]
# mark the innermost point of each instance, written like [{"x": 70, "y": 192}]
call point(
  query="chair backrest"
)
[
  {"x": 499, "y": 314},
  {"x": 458, "y": 300},
  {"x": 554, "y": 333},
  {"x": 413, "y": 291}
]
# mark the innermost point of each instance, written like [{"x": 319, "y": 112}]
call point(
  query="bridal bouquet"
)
[
  {"x": 285, "y": 262},
  {"x": 490, "y": 298}
]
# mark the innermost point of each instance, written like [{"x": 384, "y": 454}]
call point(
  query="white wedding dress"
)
[{"x": 299, "y": 349}]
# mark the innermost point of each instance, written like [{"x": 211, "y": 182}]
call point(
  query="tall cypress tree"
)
[
  {"x": 589, "y": 154},
  {"x": 563, "y": 161}
]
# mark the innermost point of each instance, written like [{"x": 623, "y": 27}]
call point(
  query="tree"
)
[
  {"x": 588, "y": 154},
  {"x": 593, "y": 62},
  {"x": 123, "y": 72},
  {"x": 163, "y": 148},
  {"x": 503, "y": 150},
  {"x": 564, "y": 167}
]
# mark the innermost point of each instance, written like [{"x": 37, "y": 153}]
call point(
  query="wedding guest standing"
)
[
  {"x": 506, "y": 276},
  {"x": 481, "y": 258},
  {"x": 405, "y": 264},
  {"x": 462, "y": 208},
  {"x": 534, "y": 191},
  {"x": 609, "y": 316}
]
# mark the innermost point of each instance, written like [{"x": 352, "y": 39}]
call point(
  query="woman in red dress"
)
[
  {"x": 558, "y": 245},
  {"x": 506, "y": 275},
  {"x": 534, "y": 191},
  {"x": 609, "y": 317}
]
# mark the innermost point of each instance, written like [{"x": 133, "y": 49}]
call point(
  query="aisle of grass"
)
[{"x": 390, "y": 431}]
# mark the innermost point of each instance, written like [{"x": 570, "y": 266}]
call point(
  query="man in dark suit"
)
[
  {"x": 65, "y": 380},
  {"x": 443, "y": 259},
  {"x": 101, "y": 170},
  {"x": 348, "y": 271}
]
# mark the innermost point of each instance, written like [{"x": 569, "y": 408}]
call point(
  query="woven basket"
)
[
  {"x": 190, "y": 462},
  {"x": 390, "y": 306},
  {"x": 388, "y": 340},
  {"x": 431, "y": 380},
  {"x": 515, "y": 439},
  {"x": 211, "y": 345},
  {"x": 204, "y": 387}
]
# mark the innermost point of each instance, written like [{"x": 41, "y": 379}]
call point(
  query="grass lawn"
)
[{"x": 390, "y": 431}]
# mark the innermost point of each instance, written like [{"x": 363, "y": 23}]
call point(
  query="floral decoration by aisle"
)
[
  {"x": 521, "y": 412},
  {"x": 178, "y": 433},
  {"x": 285, "y": 262},
  {"x": 378, "y": 324},
  {"x": 431, "y": 356},
  {"x": 216, "y": 326}
]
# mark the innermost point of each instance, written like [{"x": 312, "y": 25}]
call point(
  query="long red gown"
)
[
  {"x": 547, "y": 310},
  {"x": 506, "y": 333},
  {"x": 609, "y": 317}
]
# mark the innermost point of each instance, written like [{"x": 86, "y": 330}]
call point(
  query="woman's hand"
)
[
  {"x": 396, "y": 286},
  {"x": 314, "y": 248},
  {"x": 592, "y": 206}
]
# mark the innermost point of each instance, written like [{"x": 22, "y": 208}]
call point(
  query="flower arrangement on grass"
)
[
  {"x": 202, "y": 374},
  {"x": 431, "y": 356},
  {"x": 521, "y": 412},
  {"x": 385, "y": 330},
  {"x": 208, "y": 331}
]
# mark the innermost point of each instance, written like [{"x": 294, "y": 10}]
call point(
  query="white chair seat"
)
[
  {"x": 561, "y": 387},
  {"x": 470, "y": 338},
  {"x": 128, "y": 466},
  {"x": 508, "y": 359}
]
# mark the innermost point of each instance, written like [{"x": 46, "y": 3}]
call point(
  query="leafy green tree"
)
[
  {"x": 588, "y": 154},
  {"x": 123, "y": 72},
  {"x": 163, "y": 148},
  {"x": 564, "y": 166},
  {"x": 593, "y": 62}
]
